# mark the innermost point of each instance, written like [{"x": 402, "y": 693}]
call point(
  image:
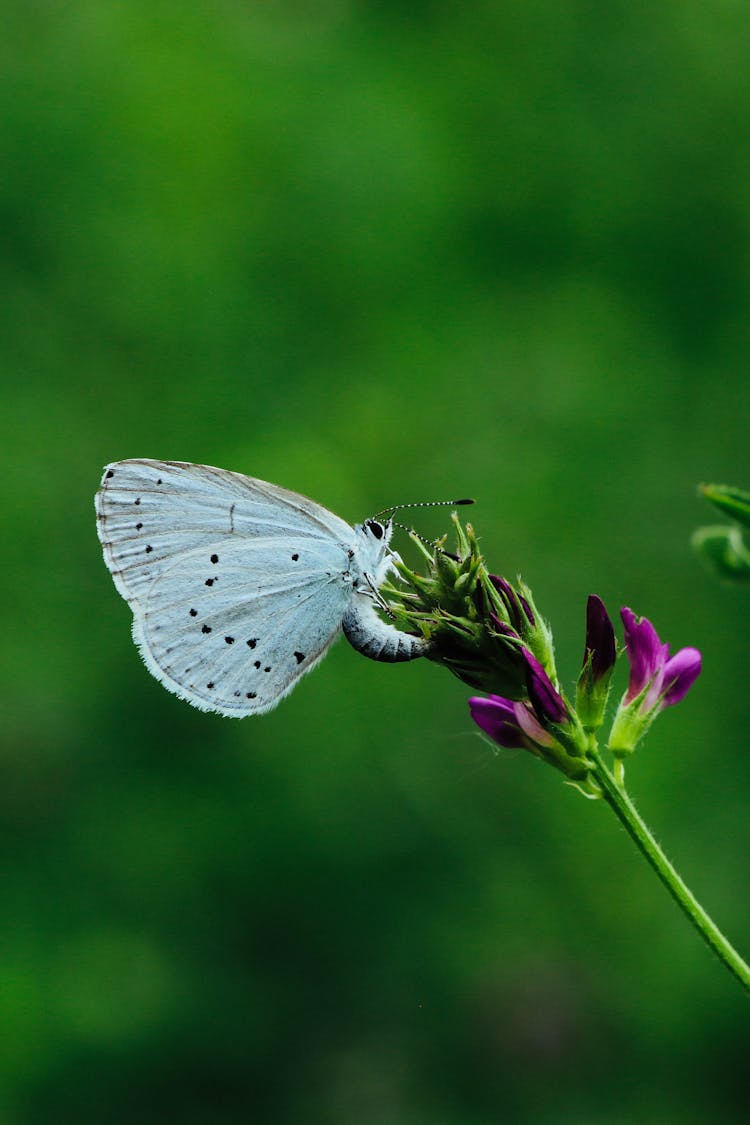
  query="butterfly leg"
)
[
  {"x": 373, "y": 592},
  {"x": 376, "y": 639}
]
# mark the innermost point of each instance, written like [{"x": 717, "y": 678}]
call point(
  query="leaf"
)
[
  {"x": 733, "y": 502},
  {"x": 724, "y": 550}
]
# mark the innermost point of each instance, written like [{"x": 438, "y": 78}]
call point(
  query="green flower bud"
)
[{"x": 464, "y": 613}]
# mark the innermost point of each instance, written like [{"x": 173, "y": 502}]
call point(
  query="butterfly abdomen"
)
[{"x": 375, "y": 638}]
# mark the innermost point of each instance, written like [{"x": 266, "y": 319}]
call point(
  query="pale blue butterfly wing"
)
[
  {"x": 173, "y": 506},
  {"x": 237, "y": 586},
  {"x": 239, "y": 645}
]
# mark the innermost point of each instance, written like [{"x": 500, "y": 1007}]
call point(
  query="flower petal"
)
[
  {"x": 546, "y": 701},
  {"x": 680, "y": 673},
  {"x": 600, "y": 638},
  {"x": 531, "y": 726},
  {"x": 645, "y": 651},
  {"x": 496, "y": 717}
]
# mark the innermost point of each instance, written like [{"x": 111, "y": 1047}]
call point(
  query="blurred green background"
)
[{"x": 372, "y": 252}]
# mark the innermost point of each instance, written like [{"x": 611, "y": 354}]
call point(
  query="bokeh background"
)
[{"x": 372, "y": 252}]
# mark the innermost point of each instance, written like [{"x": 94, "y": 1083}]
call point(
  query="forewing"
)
[
  {"x": 235, "y": 635},
  {"x": 149, "y": 513}
]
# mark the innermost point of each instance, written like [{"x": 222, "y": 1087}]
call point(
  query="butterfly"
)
[{"x": 239, "y": 587}]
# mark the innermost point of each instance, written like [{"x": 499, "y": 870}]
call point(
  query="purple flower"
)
[
  {"x": 657, "y": 680},
  {"x": 510, "y": 724},
  {"x": 600, "y": 639},
  {"x": 547, "y": 703},
  {"x": 516, "y": 724},
  {"x": 667, "y": 679}
]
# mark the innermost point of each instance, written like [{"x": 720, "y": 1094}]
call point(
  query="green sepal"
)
[
  {"x": 570, "y": 735},
  {"x": 631, "y": 723},
  {"x": 568, "y": 758},
  {"x": 478, "y": 655},
  {"x": 592, "y": 696},
  {"x": 538, "y": 637}
]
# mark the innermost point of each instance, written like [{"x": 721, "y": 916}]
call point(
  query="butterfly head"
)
[
  {"x": 374, "y": 536},
  {"x": 379, "y": 530},
  {"x": 373, "y": 554}
]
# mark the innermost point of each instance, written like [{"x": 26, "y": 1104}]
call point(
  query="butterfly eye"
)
[{"x": 375, "y": 528}]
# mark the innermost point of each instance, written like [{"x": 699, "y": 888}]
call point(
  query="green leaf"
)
[
  {"x": 725, "y": 552},
  {"x": 732, "y": 501}
]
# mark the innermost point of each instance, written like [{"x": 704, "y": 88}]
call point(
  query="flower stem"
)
[{"x": 623, "y": 807}]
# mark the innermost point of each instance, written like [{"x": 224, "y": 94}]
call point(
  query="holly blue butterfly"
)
[{"x": 239, "y": 587}]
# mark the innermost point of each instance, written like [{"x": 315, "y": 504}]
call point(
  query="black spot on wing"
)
[
  {"x": 299, "y": 657},
  {"x": 206, "y": 629},
  {"x": 214, "y": 559}
]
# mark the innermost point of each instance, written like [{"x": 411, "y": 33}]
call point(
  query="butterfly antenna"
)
[
  {"x": 421, "y": 504},
  {"x": 431, "y": 543}
]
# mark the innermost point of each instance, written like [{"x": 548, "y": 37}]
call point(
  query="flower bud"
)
[
  {"x": 599, "y": 658},
  {"x": 515, "y": 725},
  {"x": 515, "y": 606}
]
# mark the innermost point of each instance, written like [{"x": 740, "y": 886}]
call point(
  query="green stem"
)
[{"x": 621, "y": 804}]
